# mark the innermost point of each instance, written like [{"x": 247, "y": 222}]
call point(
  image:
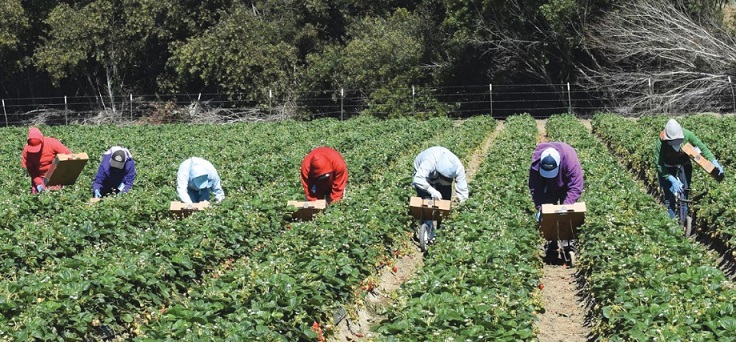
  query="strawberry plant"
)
[
  {"x": 462, "y": 292},
  {"x": 644, "y": 281}
]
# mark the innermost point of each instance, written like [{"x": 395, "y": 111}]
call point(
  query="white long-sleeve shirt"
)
[
  {"x": 192, "y": 168},
  {"x": 425, "y": 171}
]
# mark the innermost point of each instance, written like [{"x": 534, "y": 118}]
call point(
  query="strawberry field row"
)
[
  {"x": 479, "y": 281},
  {"x": 314, "y": 268},
  {"x": 644, "y": 280},
  {"x": 116, "y": 283},
  {"x": 633, "y": 141}
]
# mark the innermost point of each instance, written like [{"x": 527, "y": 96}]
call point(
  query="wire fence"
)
[{"x": 539, "y": 100}]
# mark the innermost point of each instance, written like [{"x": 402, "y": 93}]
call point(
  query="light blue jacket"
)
[
  {"x": 190, "y": 180},
  {"x": 435, "y": 160}
]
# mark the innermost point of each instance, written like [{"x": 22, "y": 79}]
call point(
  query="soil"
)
[
  {"x": 563, "y": 316},
  {"x": 478, "y": 156},
  {"x": 564, "y": 312},
  {"x": 542, "y": 131},
  {"x": 723, "y": 255},
  {"x": 357, "y": 326},
  {"x": 587, "y": 124}
]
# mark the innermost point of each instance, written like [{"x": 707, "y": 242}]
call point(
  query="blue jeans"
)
[
  {"x": 685, "y": 174},
  {"x": 199, "y": 195}
]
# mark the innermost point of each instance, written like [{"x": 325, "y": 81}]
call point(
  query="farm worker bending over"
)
[
  {"x": 669, "y": 157},
  {"x": 116, "y": 172},
  {"x": 324, "y": 175},
  {"x": 555, "y": 175},
  {"x": 196, "y": 179},
  {"x": 434, "y": 171},
  {"x": 37, "y": 157}
]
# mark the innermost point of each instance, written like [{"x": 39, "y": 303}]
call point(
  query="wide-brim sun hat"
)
[{"x": 673, "y": 134}]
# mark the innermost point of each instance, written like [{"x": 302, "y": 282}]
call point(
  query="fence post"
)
[
  {"x": 569, "y": 99},
  {"x": 131, "y": 107},
  {"x": 413, "y": 102},
  {"x": 342, "y": 99},
  {"x": 270, "y": 106},
  {"x": 490, "y": 92},
  {"x": 6, "y": 114},
  {"x": 66, "y": 111},
  {"x": 651, "y": 93},
  {"x": 733, "y": 97}
]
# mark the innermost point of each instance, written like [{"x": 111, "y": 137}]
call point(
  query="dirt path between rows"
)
[
  {"x": 478, "y": 157},
  {"x": 708, "y": 242},
  {"x": 357, "y": 326},
  {"x": 564, "y": 314}
]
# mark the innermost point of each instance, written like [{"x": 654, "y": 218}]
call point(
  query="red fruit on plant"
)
[
  {"x": 395, "y": 269},
  {"x": 541, "y": 286}
]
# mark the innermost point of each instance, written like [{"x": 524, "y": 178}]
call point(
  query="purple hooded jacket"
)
[
  {"x": 566, "y": 187},
  {"x": 109, "y": 179}
]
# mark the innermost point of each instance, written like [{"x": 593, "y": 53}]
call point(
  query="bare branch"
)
[{"x": 654, "y": 57}]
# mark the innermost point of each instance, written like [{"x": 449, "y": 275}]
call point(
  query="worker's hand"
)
[
  {"x": 538, "y": 215},
  {"x": 97, "y": 193},
  {"x": 718, "y": 166},
  {"x": 436, "y": 195},
  {"x": 39, "y": 188},
  {"x": 676, "y": 186}
]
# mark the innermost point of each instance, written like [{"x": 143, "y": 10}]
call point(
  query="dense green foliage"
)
[
  {"x": 305, "y": 50},
  {"x": 124, "y": 267},
  {"x": 486, "y": 248},
  {"x": 645, "y": 280}
]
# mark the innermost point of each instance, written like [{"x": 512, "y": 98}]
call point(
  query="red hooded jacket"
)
[
  {"x": 39, "y": 162},
  {"x": 321, "y": 161}
]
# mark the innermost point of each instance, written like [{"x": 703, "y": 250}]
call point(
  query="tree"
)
[
  {"x": 115, "y": 47},
  {"x": 377, "y": 67},
  {"x": 652, "y": 56},
  {"x": 245, "y": 54},
  {"x": 15, "y": 22}
]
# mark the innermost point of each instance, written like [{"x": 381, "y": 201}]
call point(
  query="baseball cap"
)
[
  {"x": 201, "y": 182},
  {"x": 117, "y": 160},
  {"x": 447, "y": 166},
  {"x": 549, "y": 163}
]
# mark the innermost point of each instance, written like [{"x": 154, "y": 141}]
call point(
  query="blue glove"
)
[
  {"x": 676, "y": 186},
  {"x": 39, "y": 188},
  {"x": 97, "y": 193},
  {"x": 538, "y": 215},
  {"x": 720, "y": 168}
]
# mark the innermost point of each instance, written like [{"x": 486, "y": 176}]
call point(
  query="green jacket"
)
[{"x": 668, "y": 155}]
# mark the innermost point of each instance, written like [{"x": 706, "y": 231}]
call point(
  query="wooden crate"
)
[
  {"x": 180, "y": 209},
  {"x": 561, "y": 222},
  {"x": 702, "y": 161},
  {"x": 66, "y": 169},
  {"x": 306, "y": 211},
  {"x": 427, "y": 208}
]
